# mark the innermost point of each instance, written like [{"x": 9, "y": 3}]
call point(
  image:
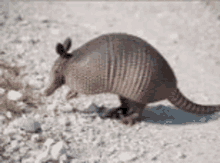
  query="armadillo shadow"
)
[
  {"x": 170, "y": 115},
  {"x": 161, "y": 114}
]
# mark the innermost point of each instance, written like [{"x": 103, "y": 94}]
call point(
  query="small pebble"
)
[
  {"x": 63, "y": 158},
  {"x": 35, "y": 137},
  {"x": 62, "y": 120},
  {"x": 48, "y": 142},
  {"x": 2, "y": 119},
  {"x": 58, "y": 149},
  {"x": 2, "y": 91},
  {"x": 29, "y": 125},
  {"x": 28, "y": 160},
  {"x": 126, "y": 156},
  {"x": 14, "y": 95},
  {"x": 8, "y": 114},
  {"x": 36, "y": 84},
  {"x": 68, "y": 107},
  {"x": 14, "y": 144},
  {"x": 52, "y": 106},
  {"x": 92, "y": 109},
  {"x": 42, "y": 157}
]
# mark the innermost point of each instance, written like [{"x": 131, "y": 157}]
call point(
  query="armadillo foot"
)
[
  {"x": 71, "y": 94},
  {"x": 131, "y": 119},
  {"x": 113, "y": 113}
]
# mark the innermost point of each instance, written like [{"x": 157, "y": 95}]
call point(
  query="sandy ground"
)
[{"x": 187, "y": 35}]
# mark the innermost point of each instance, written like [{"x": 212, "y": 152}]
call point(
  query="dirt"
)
[{"x": 187, "y": 35}]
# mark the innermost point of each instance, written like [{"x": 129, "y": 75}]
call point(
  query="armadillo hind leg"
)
[
  {"x": 119, "y": 112},
  {"x": 133, "y": 114},
  {"x": 129, "y": 112}
]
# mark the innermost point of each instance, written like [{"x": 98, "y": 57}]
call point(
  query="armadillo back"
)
[{"x": 121, "y": 64}]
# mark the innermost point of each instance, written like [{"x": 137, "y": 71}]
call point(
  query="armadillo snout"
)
[
  {"x": 50, "y": 90},
  {"x": 52, "y": 87},
  {"x": 55, "y": 81}
]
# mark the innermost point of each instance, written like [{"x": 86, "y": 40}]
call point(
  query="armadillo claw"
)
[
  {"x": 130, "y": 120},
  {"x": 71, "y": 94},
  {"x": 113, "y": 113}
]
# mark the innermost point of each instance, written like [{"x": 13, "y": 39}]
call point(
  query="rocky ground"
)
[{"x": 45, "y": 130}]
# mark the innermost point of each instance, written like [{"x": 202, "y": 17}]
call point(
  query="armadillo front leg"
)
[{"x": 71, "y": 94}]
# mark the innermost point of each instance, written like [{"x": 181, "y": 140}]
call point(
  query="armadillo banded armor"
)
[
  {"x": 120, "y": 65},
  {"x": 128, "y": 68}
]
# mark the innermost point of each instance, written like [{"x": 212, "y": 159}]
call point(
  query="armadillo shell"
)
[{"x": 121, "y": 64}]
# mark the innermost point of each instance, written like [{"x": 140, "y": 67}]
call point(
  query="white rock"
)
[
  {"x": 14, "y": 95},
  {"x": 37, "y": 116},
  {"x": 14, "y": 144},
  {"x": 19, "y": 138},
  {"x": 42, "y": 157},
  {"x": 21, "y": 105},
  {"x": 126, "y": 156},
  {"x": 2, "y": 91},
  {"x": 67, "y": 135},
  {"x": 35, "y": 84},
  {"x": 29, "y": 125},
  {"x": 63, "y": 120},
  {"x": 28, "y": 160},
  {"x": 35, "y": 137},
  {"x": 22, "y": 143},
  {"x": 58, "y": 149},
  {"x": 63, "y": 158},
  {"x": 8, "y": 131},
  {"x": 48, "y": 143},
  {"x": 68, "y": 107},
  {"x": 2, "y": 118},
  {"x": 8, "y": 114}
]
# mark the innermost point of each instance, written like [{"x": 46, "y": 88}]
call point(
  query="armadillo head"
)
[{"x": 57, "y": 78}]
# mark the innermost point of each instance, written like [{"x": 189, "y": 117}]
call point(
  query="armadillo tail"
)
[{"x": 180, "y": 101}]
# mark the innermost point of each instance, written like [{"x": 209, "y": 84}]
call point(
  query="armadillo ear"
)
[
  {"x": 61, "y": 51},
  {"x": 67, "y": 44}
]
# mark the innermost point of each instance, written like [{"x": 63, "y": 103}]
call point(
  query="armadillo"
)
[{"x": 122, "y": 64}]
